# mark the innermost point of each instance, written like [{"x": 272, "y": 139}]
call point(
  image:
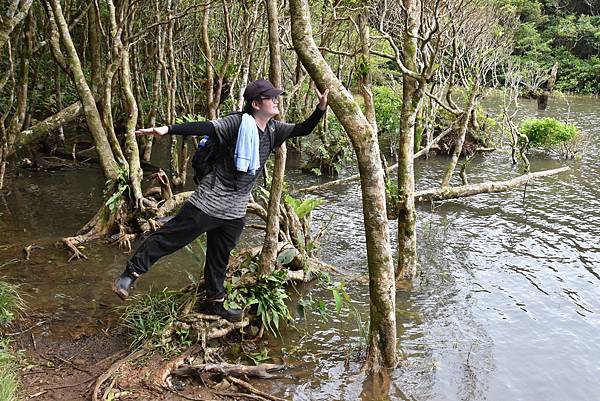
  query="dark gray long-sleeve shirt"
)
[{"x": 215, "y": 195}]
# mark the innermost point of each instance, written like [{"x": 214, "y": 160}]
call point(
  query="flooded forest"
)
[{"x": 338, "y": 200}]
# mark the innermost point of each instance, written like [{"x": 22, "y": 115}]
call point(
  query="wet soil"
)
[{"x": 53, "y": 368}]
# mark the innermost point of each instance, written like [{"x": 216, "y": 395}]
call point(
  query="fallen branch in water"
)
[
  {"x": 482, "y": 188},
  {"x": 261, "y": 371}
]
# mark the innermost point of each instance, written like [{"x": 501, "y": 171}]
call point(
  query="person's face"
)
[{"x": 268, "y": 106}]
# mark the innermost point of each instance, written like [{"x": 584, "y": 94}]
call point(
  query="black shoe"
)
[
  {"x": 123, "y": 283},
  {"x": 211, "y": 307}
]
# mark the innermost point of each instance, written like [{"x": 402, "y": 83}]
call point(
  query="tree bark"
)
[
  {"x": 268, "y": 255},
  {"x": 542, "y": 100},
  {"x": 18, "y": 118},
  {"x": 131, "y": 146},
  {"x": 364, "y": 69},
  {"x": 17, "y": 11},
  {"x": 107, "y": 160},
  {"x": 461, "y": 134},
  {"x": 445, "y": 193},
  {"x": 48, "y": 125},
  {"x": 382, "y": 333},
  {"x": 412, "y": 93}
]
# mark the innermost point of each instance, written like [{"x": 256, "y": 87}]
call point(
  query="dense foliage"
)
[
  {"x": 548, "y": 132},
  {"x": 565, "y": 32}
]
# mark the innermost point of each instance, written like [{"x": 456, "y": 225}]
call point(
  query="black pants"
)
[{"x": 189, "y": 223}]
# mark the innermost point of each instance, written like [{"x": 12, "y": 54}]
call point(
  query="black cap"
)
[{"x": 261, "y": 87}]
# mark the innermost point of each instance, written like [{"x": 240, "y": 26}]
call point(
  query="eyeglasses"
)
[{"x": 274, "y": 99}]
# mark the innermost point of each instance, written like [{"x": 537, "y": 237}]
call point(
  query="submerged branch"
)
[{"x": 482, "y": 188}]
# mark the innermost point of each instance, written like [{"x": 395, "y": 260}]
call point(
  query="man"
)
[{"x": 218, "y": 206}]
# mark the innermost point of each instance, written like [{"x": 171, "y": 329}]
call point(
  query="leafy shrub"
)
[
  {"x": 388, "y": 102},
  {"x": 267, "y": 295},
  {"x": 331, "y": 152},
  {"x": 548, "y": 132}
]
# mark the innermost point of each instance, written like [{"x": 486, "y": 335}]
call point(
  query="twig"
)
[
  {"x": 70, "y": 385},
  {"x": 27, "y": 329},
  {"x": 253, "y": 389},
  {"x": 187, "y": 397},
  {"x": 119, "y": 353},
  {"x": 10, "y": 262},
  {"x": 109, "y": 389},
  {"x": 243, "y": 395},
  {"x": 113, "y": 368},
  {"x": 72, "y": 364},
  {"x": 36, "y": 394}
]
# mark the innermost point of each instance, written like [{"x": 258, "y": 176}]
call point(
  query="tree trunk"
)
[
  {"x": 211, "y": 113},
  {"x": 18, "y": 118},
  {"x": 411, "y": 98},
  {"x": 364, "y": 70},
  {"x": 15, "y": 13},
  {"x": 542, "y": 100},
  {"x": 268, "y": 255},
  {"x": 249, "y": 40},
  {"x": 107, "y": 160},
  {"x": 462, "y": 133},
  {"x": 382, "y": 333},
  {"x": 47, "y": 126},
  {"x": 95, "y": 50},
  {"x": 131, "y": 146}
]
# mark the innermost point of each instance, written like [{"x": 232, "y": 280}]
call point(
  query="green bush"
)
[
  {"x": 267, "y": 295},
  {"x": 547, "y": 132},
  {"x": 388, "y": 102}
]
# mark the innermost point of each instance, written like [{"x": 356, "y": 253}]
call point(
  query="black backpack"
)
[{"x": 210, "y": 151}]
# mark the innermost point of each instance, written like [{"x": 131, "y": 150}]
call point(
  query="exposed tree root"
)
[
  {"x": 108, "y": 375},
  {"x": 96, "y": 228},
  {"x": 173, "y": 203},
  {"x": 160, "y": 378}
]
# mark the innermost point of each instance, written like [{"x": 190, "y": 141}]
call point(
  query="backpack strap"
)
[{"x": 271, "y": 128}]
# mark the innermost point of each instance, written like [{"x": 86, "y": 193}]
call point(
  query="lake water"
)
[{"x": 505, "y": 305}]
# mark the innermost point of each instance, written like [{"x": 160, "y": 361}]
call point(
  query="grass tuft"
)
[
  {"x": 11, "y": 303},
  {"x": 147, "y": 317}
]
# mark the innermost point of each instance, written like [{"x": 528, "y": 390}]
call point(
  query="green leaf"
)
[
  {"x": 339, "y": 301},
  {"x": 286, "y": 256}
]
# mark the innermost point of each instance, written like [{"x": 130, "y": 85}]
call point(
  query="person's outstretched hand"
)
[
  {"x": 322, "y": 98},
  {"x": 154, "y": 131}
]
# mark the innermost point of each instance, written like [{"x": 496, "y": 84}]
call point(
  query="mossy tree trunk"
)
[
  {"x": 382, "y": 334},
  {"x": 120, "y": 166},
  {"x": 412, "y": 93},
  {"x": 269, "y": 252},
  {"x": 16, "y": 11}
]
